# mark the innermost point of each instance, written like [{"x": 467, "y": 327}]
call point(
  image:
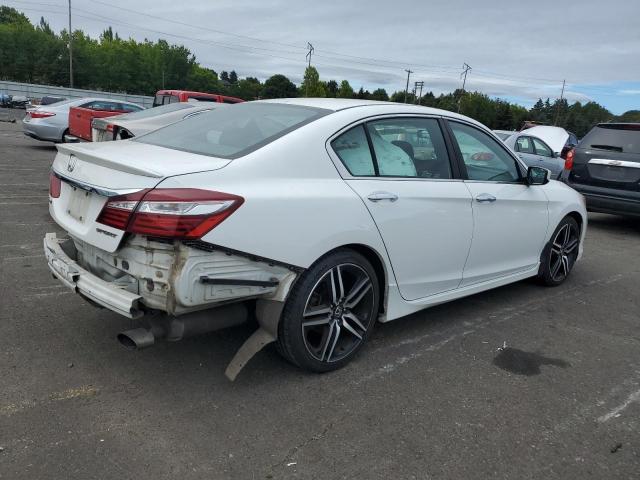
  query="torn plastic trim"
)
[
  {"x": 234, "y": 281},
  {"x": 87, "y": 284},
  {"x": 210, "y": 247}
]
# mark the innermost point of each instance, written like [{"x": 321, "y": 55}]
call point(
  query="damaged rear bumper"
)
[{"x": 81, "y": 281}]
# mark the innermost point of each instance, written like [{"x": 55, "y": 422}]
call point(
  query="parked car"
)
[
  {"x": 50, "y": 100},
  {"x": 164, "y": 97},
  {"x": 605, "y": 168},
  {"x": 504, "y": 134},
  {"x": 19, "y": 101},
  {"x": 81, "y": 116},
  {"x": 135, "y": 124},
  {"x": 51, "y": 122},
  {"x": 322, "y": 216},
  {"x": 5, "y": 100},
  {"x": 541, "y": 146}
]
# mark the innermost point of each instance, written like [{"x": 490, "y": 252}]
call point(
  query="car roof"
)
[{"x": 337, "y": 104}]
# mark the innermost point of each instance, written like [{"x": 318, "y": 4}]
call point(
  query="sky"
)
[{"x": 519, "y": 51}]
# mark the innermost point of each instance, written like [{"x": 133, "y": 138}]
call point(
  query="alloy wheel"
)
[
  {"x": 338, "y": 313},
  {"x": 564, "y": 251}
]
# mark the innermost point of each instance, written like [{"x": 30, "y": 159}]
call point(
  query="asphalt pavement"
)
[{"x": 520, "y": 382}]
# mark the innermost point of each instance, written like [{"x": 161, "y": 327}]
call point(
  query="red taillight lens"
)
[
  {"x": 169, "y": 212},
  {"x": 55, "y": 185},
  {"x": 568, "y": 162},
  {"x": 110, "y": 127},
  {"x": 118, "y": 210},
  {"x": 36, "y": 114}
]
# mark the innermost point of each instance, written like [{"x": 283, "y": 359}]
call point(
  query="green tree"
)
[
  {"x": 311, "y": 84},
  {"x": 331, "y": 88},
  {"x": 345, "y": 90},
  {"x": 380, "y": 94},
  {"x": 279, "y": 86}
]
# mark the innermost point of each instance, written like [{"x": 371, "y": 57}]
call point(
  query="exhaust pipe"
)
[
  {"x": 172, "y": 329},
  {"x": 136, "y": 338}
]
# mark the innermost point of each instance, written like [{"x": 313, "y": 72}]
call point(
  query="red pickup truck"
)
[
  {"x": 80, "y": 117},
  {"x": 174, "y": 96}
]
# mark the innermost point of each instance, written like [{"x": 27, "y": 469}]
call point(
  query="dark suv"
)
[{"x": 605, "y": 168}]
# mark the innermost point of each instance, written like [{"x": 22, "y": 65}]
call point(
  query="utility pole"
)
[
  {"x": 465, "y": 70},
  {"x": 418, "y": 84},
  {"x": 70, "y": 49},
  {"x": 558, "y": 107},
  {"x": 406, "y": 90},
  {"x": 311, "y": 50},
  {"x": 309, "y": 53}
]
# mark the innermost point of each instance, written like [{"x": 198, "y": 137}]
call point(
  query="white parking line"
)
[
  {"x": 20, "y": 258},
  {"x": 632, "y": 398}
]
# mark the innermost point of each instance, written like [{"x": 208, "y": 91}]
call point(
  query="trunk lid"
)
[{"x": 90, "y": 173}]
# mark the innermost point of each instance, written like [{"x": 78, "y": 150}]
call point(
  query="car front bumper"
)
[{"x": 85, "y": 283}]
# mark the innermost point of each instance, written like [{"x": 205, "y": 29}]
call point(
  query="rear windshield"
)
[
  {"x": 616, "y": 138},
  {"x": 235, "y": 131}
]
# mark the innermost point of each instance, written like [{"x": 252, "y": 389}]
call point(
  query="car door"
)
[
  {"x": 510, "y": 217},
  {"x": 546, "y": 158},
  {"x": 400, "y": 167}
]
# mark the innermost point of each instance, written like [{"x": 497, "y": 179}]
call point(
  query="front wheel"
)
[
  {"x": 330, "y": 312},
  {"x": 560, "y": 254}
]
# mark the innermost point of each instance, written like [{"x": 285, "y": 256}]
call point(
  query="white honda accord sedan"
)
[{"x": 317, "y": 217}]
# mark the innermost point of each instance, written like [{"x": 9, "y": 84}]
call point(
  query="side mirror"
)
[
  {"x": 538, "y": 176},
  {"x": 556, "y": 154}
]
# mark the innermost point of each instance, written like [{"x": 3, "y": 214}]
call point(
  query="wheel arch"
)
[{"x": 378, "y": 265}]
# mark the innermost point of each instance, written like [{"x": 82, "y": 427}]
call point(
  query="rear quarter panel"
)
[{"x": 297, "y": 207}]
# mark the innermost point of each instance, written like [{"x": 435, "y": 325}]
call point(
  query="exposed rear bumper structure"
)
[{"x": 81, "y": 281}]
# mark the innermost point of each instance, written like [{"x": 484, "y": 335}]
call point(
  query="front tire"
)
[
  {"x": 560, "y": 254},
  {"x": 330, "y": 312}
]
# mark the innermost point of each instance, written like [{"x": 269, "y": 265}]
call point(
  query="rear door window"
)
[
  {"x": 524, "y": 145},
  {"x": 353, "y": 150},
  {"x": 409, "y": 147}
]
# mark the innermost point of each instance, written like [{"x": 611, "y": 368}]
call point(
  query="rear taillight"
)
[
  {"x": 568, "y": 162},
  {"x": 110, "y": 127},
  {"x": 169, "y": 212},
  {"x": 55, "y": 185},
  {"x": 37, "y": 114}
]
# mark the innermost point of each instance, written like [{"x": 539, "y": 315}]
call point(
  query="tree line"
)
[{"x": 36, "y": 54}]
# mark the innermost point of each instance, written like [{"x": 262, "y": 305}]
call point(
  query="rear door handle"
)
[
  {"x": 485, "y": 198},
  {"x": 378, "y": 196}
]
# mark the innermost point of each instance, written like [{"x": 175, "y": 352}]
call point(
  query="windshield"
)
[
  {"x": 233, "y": 131},
  {"x": 623, "y": 138}
]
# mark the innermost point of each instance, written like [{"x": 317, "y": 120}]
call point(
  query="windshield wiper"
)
[{"x": 607, "y": 147}]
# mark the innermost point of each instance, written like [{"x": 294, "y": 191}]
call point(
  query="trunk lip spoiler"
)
[
  {"x": 105, "y": 162},
  {"x": 92, "y": 188}
]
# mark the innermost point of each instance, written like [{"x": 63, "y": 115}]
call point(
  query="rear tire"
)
[
  {"x": 330, "y": 312},
  {"x": 560, "y": 254}
]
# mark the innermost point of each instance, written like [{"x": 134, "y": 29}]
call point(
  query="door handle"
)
[
  {"x": 378, "y": 196},
  {"x": 485, "y": 198}
]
